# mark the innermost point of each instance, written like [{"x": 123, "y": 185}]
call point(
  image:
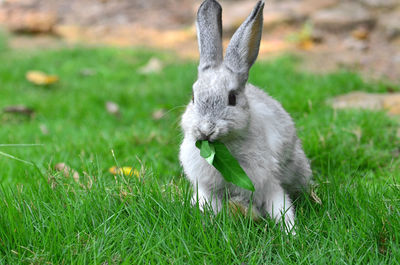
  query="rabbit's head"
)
[{"x": 219, "y": 108}]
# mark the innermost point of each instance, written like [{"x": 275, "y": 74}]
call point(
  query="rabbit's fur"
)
[{"x": 256, "y": 129}]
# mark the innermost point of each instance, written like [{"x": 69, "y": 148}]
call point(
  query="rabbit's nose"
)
[
  {"x": 206, "y": 130},
  {"x": 204, "y": 136}
]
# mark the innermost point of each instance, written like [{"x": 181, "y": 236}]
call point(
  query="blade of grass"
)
[
  {"x": 15, "y": 158},
  {"x": 20, "y": 145}
]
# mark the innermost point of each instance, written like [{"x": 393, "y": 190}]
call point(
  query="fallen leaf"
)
[
  {"x": 237, "y": 208},
  {"x": 315, "y": 197},
  {"x": 358, "y": 133},
  {"x": 113, "y": 108},
  {"x": 154, "y": 65},
  {"x": 67, "y": 171},
  {"x": 304, "y": 38},
  {"x": 62, "y": 167},
  {"x": 51, "y": 180},
  {"x": 126, "y": 171},
  {"x": 40, "y": 78},
  {"x": 360, "y": 33},
  {"x": 43, "y": 128},
  {"x": 19, "y": 109},
  {"x": 306, "y": 45},
  {"x": 158, "y": 114},
  {"x": 75, "y": 176},
  {"x": 391, "y": 103},
  {"x": 87, "y": 72},
  {"x": 90, "y": 181}
]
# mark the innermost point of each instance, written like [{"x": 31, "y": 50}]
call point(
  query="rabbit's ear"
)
[
  {"x": 209, "y": 34},
  {"x": 243, "y": 48}
]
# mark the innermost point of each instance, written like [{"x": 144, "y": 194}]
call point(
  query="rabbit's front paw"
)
[
  {"x": 204, "y": 199},
  {"x": 280, "y": 208},
  {"x": 199, "y": 199}
]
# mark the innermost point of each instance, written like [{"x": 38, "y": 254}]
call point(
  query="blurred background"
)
[{"x": 361, "y": 35}]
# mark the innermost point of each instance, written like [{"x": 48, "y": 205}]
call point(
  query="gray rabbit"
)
[{"x": 255, "y": 128}]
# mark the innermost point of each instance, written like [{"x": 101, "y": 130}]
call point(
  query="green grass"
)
[{"x": 46, "y": 217}]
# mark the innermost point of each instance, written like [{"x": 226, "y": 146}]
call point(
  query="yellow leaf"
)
[
  {"x": 40, "y": 78},
  {"x": 237, "y": 209},
  {"x": 315, "y": 197},
  {"x": 126, "y": 171},
  {"x": 306, "y": 45},
  {"x": 360, "y": 33}
]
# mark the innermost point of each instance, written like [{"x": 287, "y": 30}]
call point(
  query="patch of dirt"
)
[{"x": 372, "y": 101}]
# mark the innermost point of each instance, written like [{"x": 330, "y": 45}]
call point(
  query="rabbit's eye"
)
[
  {"x": 232, "y": 99},
  {"x": 192, "y": 97}
]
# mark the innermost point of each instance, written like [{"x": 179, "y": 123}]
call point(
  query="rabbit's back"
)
[{"x": 273, "y": 134}]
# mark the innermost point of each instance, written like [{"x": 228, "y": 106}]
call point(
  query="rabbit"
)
[{"x": 256, "y": 129}]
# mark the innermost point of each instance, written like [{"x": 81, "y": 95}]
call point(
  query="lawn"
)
[{"x": 46, "y": 217}]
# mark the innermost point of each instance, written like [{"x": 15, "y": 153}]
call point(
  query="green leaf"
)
[
  {"x": 218, "y": 155},
  {"x": 207, "y": 151}
]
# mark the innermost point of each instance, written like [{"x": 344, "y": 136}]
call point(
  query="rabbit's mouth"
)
[
  {"x": 209, "y": 135},
  {"x": 220, "y": 130},
  {"x": 215, "y": 134}
]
